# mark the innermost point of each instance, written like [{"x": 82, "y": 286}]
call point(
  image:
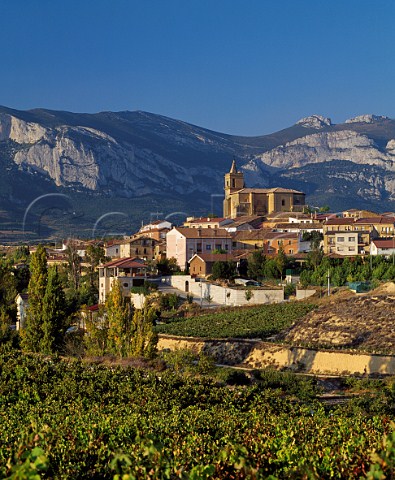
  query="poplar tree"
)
[
  {"x": 32, "y": 333},
  {"x": 144, "y": 338},
  {"x": 53, "y": 314},
  {"x": 118, "y": 318}
]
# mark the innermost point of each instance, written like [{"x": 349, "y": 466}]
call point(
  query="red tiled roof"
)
[
  {"x": 340, "y": 221},
  {"x": 384, "y": 243},
  {"x": 386, "y": 220},
  {"x": 128, "y": 262},
  {"x": 211, "y": 233},
  {"x": 263, "y": 234},
  {"x": 215, "y": 257}
]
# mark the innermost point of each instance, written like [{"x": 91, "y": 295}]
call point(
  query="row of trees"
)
[
  {"x": 314, "y": 271},
  {"x": 46, "y": 321},
  {"x": 117, "y": 329},
  {"x": 120, "y": 330}
]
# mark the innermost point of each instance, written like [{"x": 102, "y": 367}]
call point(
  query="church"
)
[{"x": 240, "y": 201}]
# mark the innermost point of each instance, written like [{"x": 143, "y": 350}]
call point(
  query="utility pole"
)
[{"x": 329, "y": 283}]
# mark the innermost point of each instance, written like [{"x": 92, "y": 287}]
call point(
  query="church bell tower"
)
[{"x": 234, "y": 181}]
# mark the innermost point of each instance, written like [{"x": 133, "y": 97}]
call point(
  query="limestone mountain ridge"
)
[{"x": 135, "y": 154}]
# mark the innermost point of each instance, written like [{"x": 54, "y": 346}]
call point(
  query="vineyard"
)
[
  {"x": 250, "y": 322},
  {"x": 69, "y": 420}
]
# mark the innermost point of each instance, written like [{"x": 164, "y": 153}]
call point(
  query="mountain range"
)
[{"x": 97, "y": 172}]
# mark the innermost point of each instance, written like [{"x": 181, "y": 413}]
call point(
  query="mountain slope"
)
[{"x": 169, "y": 163}]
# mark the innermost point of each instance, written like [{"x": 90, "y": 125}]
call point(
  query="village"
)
[{"x": 209, "y": 260}]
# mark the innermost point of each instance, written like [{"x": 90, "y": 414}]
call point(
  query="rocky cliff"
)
[{"x": 134, "y": 154}]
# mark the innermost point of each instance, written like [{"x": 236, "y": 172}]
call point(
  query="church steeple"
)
[{"x": 233, "y": 168}]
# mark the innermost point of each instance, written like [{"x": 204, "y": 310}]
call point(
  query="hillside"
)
[
  {"x": 364, "y": 322},
  {"x": 151, "y": 165}
]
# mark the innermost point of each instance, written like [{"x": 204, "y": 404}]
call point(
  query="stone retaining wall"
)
[{"x": 257, "y": 354}]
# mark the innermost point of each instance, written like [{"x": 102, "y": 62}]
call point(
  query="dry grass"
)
[{"x": 365, "y": 322}]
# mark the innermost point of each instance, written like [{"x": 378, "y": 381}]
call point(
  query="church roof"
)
[{"x": 269, "y": 190}]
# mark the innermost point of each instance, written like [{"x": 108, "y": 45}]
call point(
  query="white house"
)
[
  {"x": 130, "y": 272},
  {"x": 382, "y": 246}
]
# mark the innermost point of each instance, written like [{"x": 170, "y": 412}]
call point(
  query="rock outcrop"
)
[
  {"x": 367, "y": 119},
  {"x": 315, "y": 121},
  {"x": 91, "y": 159},
  {"x": 322, "y": 147}
]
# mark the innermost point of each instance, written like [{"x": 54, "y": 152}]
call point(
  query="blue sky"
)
[{"x": 245, "y": 67}]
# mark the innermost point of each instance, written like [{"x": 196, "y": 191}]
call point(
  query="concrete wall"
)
[
  {"x": 137, "y": 300},
  {"x": 222, "y": 295},
  {"x": 302, "y": 294},
  {"x": 257, "y": 354}
]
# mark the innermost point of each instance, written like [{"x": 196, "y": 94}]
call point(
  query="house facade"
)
[
  {"x": 270, "y": 242},
  {"x": 130, "y": 272},
  {"x": 201, "y": 265},
  {"x": 139, "y": 246},
  {"x": 156, "y": 230},
  {"x": 183, "y": 243},
  {"x": 348, "y": 236}
]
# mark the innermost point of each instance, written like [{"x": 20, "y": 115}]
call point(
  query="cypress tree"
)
[
  {"x": 53, "y": 314},
  {"x": 32, "y": 334}
]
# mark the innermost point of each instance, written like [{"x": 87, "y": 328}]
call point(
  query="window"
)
[
  {"x": 126, "y": 285},
  {"x": 199, "y": 248},
  {"x": 351, "y": 239},
  {"x": 351, "y": 249},
  {"x": 290, "y": 250},
  {"x": 340, "y": 249},
  {"x": 226, "y": 246},
  {"x": 208, "y": 247},
  {"x": 340, "y": 239},
  {"x": 282, "y": 203}
]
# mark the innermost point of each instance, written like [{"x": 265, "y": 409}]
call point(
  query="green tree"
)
[
  {"x": 74, "y": 266},
  {"x": 167, "y": 266},
  {"x": 256, "y": 265},
  {"x": 32, "y": 333},
  {"x": 96, "y": 338},
  {"x": 281, "y": 261},
  {"x": 223, "y": 270},
  {"x": 94, "y": 256},
  {"x": 53, "y": 314},
  {"x": 314, "y": 257},
  {"x": 8, "y": 287},
  {"x": 144, "y": 339},
  {"x": 118, "y": 317},
  {"x": 270, "y": 269}
]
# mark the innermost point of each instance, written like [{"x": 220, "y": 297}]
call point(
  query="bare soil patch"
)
[{"x": 365, "y": 322}]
